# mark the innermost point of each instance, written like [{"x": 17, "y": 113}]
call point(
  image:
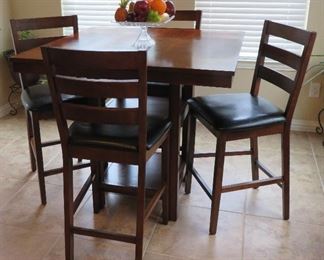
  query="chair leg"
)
[
  {"x": 95, "y": 173},
  {"x": 285, "y": 147},
  {"x": 30, "y": 138},
  {"x": 68, "y": 208},
  {"x": 190, "y": 150},
  {"x": 254, "y": 158},
  {"x": 165, "y": 177},
  {"x": 140, "y": 210},
  {"x": 217, "y": 184},
  {"x": 39, "y": 156}
]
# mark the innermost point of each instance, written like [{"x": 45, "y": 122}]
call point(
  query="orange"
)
[{"x": 159, "y": 6}]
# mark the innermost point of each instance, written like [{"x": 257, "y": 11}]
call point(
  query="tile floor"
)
[{"x": 250, "y": 224}]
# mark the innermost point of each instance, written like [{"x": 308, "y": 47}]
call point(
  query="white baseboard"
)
[
  {"x": 303, "y": 125},
  {"x": 4, "y": 110}
]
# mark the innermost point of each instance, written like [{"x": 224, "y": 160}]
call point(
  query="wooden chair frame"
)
[
  {"x": 67, "y": 70},
  {"x": 291, "y": 86},
  {"x": 34, "y": 117}
]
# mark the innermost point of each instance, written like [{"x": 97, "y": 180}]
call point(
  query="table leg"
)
[{"x": 175, "y": 109}]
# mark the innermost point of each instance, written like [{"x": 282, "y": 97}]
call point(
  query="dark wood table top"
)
[{"x": 187, "y": 56}]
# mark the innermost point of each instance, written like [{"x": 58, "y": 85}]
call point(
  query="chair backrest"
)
[
  {"x": 97, "y": 75},
  {"x": 189, "y": 15},
  {"x": 32, "y": 24},
  {"x": 18, "y": 26},
  {"x": 297, "y": 62}
]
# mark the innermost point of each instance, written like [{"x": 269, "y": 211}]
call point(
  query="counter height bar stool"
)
[
  {"x": 35, "y": 94},
  {"x": 240, "y": 116},
  {"x": 100, "y": 133}
]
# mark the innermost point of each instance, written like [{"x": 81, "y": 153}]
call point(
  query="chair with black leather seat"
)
[
  {"x": 248, "y": 115},
  {"x": 100, "y": 133},
  {"x": 35, "y": 94}
]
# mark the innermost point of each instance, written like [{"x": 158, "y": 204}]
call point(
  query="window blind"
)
[
  {"x": 91, "y": 13},
  {"x": 248, "y": 16}
]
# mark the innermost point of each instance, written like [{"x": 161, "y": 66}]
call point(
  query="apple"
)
[
  {"x": 141, "y": 9},
  {"x": 170, "y": 9}
]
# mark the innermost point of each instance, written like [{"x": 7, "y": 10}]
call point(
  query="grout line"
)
[
  {"x": 52, "y": 246},
  {"x": 14, "y": 195},
  {"x": 149, "y": 239},
  {"x": 317, "y": 167},
  {"x": 243, "y": 228},
  {"x": 8, "y": 144}
]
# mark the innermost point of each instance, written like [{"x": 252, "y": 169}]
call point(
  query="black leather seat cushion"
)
[
  {"x": 121, "y": 136},
  {"x": 38, "y": 98},
  {"x": 235, "y": 112}
]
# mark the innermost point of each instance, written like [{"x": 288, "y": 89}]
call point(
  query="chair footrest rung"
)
[
  {"x": 102, "y": 234},
  {"x": 60, "y": 170},
  {"x": 232, "y": 153},
  {"x": 50, "y": 143},
  {"x": 201, "y": 182},
  {"x": 251, "y": 184},
  {"x": 266, "y": 171},
  {"x": 82, "y": 193},
  {"x": 151, "y": 205}
]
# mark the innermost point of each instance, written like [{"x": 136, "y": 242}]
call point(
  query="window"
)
[
  {"x": 248, "y": 16},
  {"x": 235, "y": 15},
  {"x": 91, "y": 13}
]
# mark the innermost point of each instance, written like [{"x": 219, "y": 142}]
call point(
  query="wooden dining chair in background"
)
[
  {"x": 99, "y": 133},
  {"x": 163, "y": 89},
  {"x": 35, "y": 94},
  {"x": 248, "y": 115}
]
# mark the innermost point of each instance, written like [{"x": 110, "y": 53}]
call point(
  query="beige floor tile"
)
[
  {"x": 276, "y": 239},
  {"x": 320, "y": 165},
  {"x": 189, "y": 237},
  {"x": 316, "y": 143},
  {"x": 306, "y": 202},
  {"x": 95, "y": 249},
  {"x": 9, "y": 187},
  {"x": 18, "y": 243},
  {"x": 25, "y": 209},
  {"x": 152, "y": 256}
]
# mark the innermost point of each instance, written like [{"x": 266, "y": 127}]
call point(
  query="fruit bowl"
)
[
  {"x": 144, "y": 14},
  {"x": 144, "y": 40}
]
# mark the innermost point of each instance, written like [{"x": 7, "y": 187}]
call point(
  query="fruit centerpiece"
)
[
  {"x": 151, "y": 11},
  {"x": 144, "y": 13}
]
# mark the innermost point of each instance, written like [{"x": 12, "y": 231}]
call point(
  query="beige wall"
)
[
  {"x": 35, "y": 8},
  {"x": 307, "y": 108},
  {"x": 5, "y": 43}
]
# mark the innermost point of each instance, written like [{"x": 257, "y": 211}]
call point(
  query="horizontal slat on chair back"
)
[
  {"x": 19, "y": 25},
  {"x": 93, "y": 75},
  {"x": 97, "y": 89},
  {"x": 289, "y": 33},
  {"x": 45, "y": 23},
  {"x": 24, "y": 45},
  {"x": 285, "y": 57},
  {"x": 296, "y": 62},
  {"x": 100, "y": 115},
  {"x": 277, "y": 79}
]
